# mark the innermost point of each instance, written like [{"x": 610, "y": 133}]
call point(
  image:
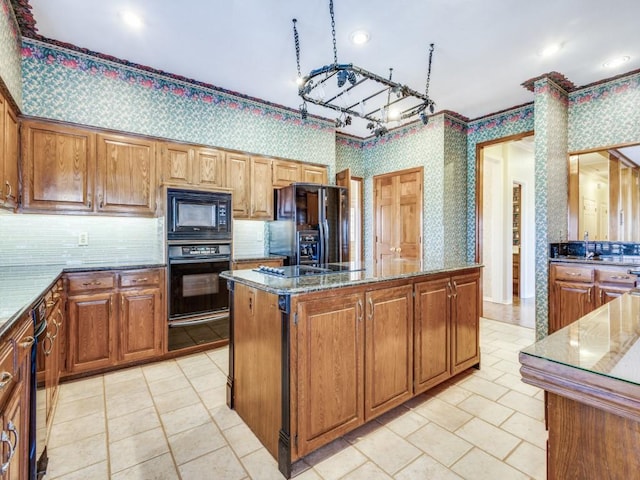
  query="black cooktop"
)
[{"x": 293, "y": 271}]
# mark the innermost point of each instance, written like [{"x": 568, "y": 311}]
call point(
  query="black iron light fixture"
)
[{"x": 356, "y": 92}]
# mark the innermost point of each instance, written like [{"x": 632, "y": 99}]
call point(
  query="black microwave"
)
[{"x": 198, "y": 215}]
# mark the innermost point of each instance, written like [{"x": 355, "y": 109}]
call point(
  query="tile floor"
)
[
  {"x": 521, "y": 312},
  {"x": 169, "y": 421}
]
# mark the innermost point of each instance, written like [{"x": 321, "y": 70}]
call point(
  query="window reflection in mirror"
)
[{"x": 604, "y": 195}]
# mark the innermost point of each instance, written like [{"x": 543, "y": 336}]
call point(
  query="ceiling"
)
[{"x": 484, "y": 50}]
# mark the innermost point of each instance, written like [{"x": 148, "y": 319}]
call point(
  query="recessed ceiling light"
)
[
  {"x": 132, "y": 19},
  {"x": 360, "y": 37},
  {"x": 616, "y": 62},
  {"x": 550, "y": 50}
]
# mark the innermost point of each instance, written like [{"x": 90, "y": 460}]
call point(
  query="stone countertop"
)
[
  {"x": 312, "y": 283},
  {"x": 22, "y": 286},
  {"x": 604, "y": 342},
  {"x": 253, "y": 258},
  {"x": 614, "y": 260}
]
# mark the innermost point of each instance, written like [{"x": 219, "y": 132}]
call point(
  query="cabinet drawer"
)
[
  {"x": 84, "y": 283},
  {"x": 574, "y": 274},
  {"x": 138, "y": 278},
  {"x": 616, "y": 276},
  {"x": 7, "y": 369}
]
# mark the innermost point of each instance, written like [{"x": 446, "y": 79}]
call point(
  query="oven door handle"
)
[
  {"x": 173, "y": 261},
  {"x": 189, "y": 323}
]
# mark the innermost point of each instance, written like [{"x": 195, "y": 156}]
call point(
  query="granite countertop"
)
[
  {"x": 603, "y": 342},
  {"x": 307, "y": 284},
  {"x": 22, "y": 286},
  {"x": 254, "y": 257},
  {"x": 618, "y": 260}
]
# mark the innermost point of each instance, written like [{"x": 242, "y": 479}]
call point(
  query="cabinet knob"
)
[
  {"x": 398, "y": 249},
  {"x": 5, "y": 378},
  {"x": 10, "y": 192},
  {"x": 27, "y": 342}
]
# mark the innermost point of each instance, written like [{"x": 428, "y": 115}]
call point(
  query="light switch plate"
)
[{"x": 83, "y": 239}]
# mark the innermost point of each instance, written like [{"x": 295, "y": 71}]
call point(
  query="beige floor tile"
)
[
  {"x": 126, "y": 386},
  {"x": 388, "y": 450},
  {"x": 208, "y": 381},
  {"x": 197, "y": 365},
  {"x": 127, "y": 374},
  {"x": 97, "y": 471},
  {"x": 489, "y": 438},
  {"x": 310, "y": 474},
  {"x": 514, "y": 382},
  {"x": 77, "y": 455},
  {"x": 136, "y": 449},
  {"x": 443, "y": 414},
  {"x": 261, "y": 465},
  {"x": 196, "y": 442},
  {"x": 483, "y": 387},
  {"x": 487, "y": 372},
  {"x": 452, "y": 394},
  {"x": 63, "y": 433},
  {"x": 167, "y": 402},
  {"x": 75, "y": 409},
  {"x": 506, "y": 366},
  {"x": 80, "y": 389},
  {"x": 184, "y": 418},
  {"x": 485, "y": 409},
  {"x": 368, "y": 471},
  {"x": 478, "y": 465},
  {"x": 335, "y": 460},
  {"x": 161, "y": 371},
  {"x": 487, "y": 359},
  {"x": 170, "y": 384},
  {"x": 221, "y": 358},
  {"x": 425, "y": 467},
  {"x": 440, "y": 444},
  {"x": 132, "y": 423},
  {"x": 527, "y": 428},
  {"x": 242, "y": 440},
  {"x": 214, "y": 397},
  {"x": 225, "y": 417},
  {"x": 119, "y": 405},
  {"x": 524, "y": 404},
  {"x": 402, "y": 421},
  {"x": 158, "y": 468},
  {"x": 221, "y": 464},
  {"x": 529, "y": 459}
]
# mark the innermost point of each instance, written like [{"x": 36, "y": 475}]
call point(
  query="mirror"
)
[{"x": 604, "y": 194}]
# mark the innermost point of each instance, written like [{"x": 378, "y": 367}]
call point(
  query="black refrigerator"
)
[{"x": 311, "y": 225}]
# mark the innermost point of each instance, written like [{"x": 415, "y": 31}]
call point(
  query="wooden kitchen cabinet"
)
[
  {"x": 188, "y": 165},
  {"x": 58, "y": 167},
  {"x": 175, "y": 163},
  {"x": 52, "y": 348},
  {"x": 389, "y": 349},
  {"x": 313, "y": 174},
  {"x": 210, "y": 168},
  {"x": 9, "y": 146},
  {"x": 126, "y": 175},
  {"x": 252, "y": 187},
  {"x": 239, "y": 180},
  {"x": 285, "y": 172},
  {"x": 465, "y": 321}
]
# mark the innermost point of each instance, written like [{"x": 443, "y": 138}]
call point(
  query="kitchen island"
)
[
  {"x": 314, "y": 357},
  {"x": 590, "y": 372}
]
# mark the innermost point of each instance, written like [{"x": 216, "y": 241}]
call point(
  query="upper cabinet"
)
[
  {"x": 239, "y": 178},
  {"x": 314, "y": 174},
  {"x": 126, "y": 175},
  {"x": 261, "y": 189},
  {"x": 8, "y": 156},
  {"x": 252, "y": 187},
  {"x": 286, "y": 172},
  {"x": 58, "y": 167},
  {"x": 193, "y": 166}
]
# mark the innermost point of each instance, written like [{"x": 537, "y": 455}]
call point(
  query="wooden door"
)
[
  {"x": 285, "y": 173},
  {"x": 126, "y": 179},
  {"x": 572, "y": 301},
  {"x": 210, "y": 168},
  {"x": 10, "y": 177},
  {"x": 239, "y": 175},
  {"x": 432, "y": 356},
  {"x": 398, "y": 221},
  {"x": 313, "y": 174},
  {"x": 261, "y": 189},
  {"x": 465, "y": 321},
  {"x": 141, "y": 324},
  {"x": 91, "y": 330},
  {"x": 330, "y": 369},
  {"x": 58, "y": 167},
  {"x": 389, "y": 349},
  {"x": 175, "y": 163}
]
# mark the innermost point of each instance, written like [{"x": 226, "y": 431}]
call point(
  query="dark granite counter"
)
[
  {"x": 619, "y": 261},
  {"x": 22, "y": 286},
  {"x": 312, "y": 283}
]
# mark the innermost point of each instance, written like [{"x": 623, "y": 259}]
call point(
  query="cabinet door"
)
[
  {"x": 24, "y": 343},
  {"x": 261, "y": 189},
  {"x": 330, "y": 342},
  {"x": 126, "y": 180},
  {"x": 285, "y": 173},
  {"x": 432, "y": 358},
  {"x": 58, "y": 167},
  {"x": 465, "y": 321},
  {"x": 606, "y": 293},
  {"x": 9, "y": 195},
  {"x": 52, "y": 351},
  {"x": 13, "y": 425},
  {"x": 314, "y": 174},
  {"x": 91, "y": 328},
  {"x": 572, "y": 301},
  {"x": 210, "y": 168},
  {"x": 239, "y": 175},
  {"x": 141, "y": 324},
  {"x": 389, "y": 349},
  {"x": 175, "y": 162}
]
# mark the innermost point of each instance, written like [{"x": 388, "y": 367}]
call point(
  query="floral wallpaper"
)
[
  {"x": 10, "y": 61},
  {"x": 71, "y": 86}
]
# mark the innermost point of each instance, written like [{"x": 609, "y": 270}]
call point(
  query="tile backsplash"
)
[
  {"x": 28, "y": 239},
  {"x": 249, "y": 238}
]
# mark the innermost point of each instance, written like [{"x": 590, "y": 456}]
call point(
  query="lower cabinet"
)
[{"x": 115, "y": 318}]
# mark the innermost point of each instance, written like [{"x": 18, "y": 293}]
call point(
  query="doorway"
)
[
  {"x": 506, "y": 228},
  {"x": 356, "y": 207}
]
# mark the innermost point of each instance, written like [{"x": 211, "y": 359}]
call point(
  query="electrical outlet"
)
[{"x": 83, "y": 239}]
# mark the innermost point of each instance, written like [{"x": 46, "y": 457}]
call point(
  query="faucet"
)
[{"x": 587, "y": 253}]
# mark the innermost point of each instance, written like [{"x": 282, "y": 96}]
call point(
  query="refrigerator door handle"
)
[{"x": 326, "y": 241}]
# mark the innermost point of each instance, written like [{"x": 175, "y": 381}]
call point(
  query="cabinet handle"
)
[
  {"x": 144, "y": 279},
  {"x": 398, "y": 249},
  {"x": 449, "y": 291},
  {"x": 101, "y": 203},
  {"x": 27, "y": 342},
  {"x": 50, "y": 303},
  {"x": 86, "y": 284},
  {"x": 620, "y": 277},
  {"x": 370, "y": 300},
  {"x": 360, "y": 310},
  {"x": 89, "y": 200},
  {"x": 47, "y": 351},
  {"x": 4, "y": 438},
  {"x": 53, "y": 337},
  {"x": 12, "y": 429},
  {"x": 250, "y": 303},
  {"x": 455, "y": 289},
  {"x": 601, "y": 296},
  {"x": 10, "y": 194},
  {"x": 574, "y": 274},
  {"x": 5, "y": 378},
  {"x": 589, "y": 294},
  {"x": 391, "y": 249}
]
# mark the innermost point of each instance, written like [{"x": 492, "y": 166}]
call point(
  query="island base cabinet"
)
[
  {"x": 465, "y": 321},
  {"x": 586, "y": 442},
  {"x": 330, "y": 353}
]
